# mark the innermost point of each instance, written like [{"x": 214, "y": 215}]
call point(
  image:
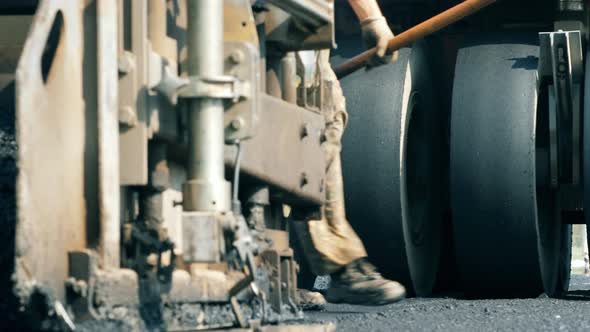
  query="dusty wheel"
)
[
  {"x": 394, "y": 167},
  {"x": 508, "y": 233}
]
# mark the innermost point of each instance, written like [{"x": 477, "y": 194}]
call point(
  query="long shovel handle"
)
[{"x": 420, "y": 31}]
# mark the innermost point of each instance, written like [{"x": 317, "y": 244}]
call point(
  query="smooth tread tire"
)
[
  {"x": 586, "y": 148},
  {"x": 395, "y": 166},
  {"x": 509, "y": 239}
]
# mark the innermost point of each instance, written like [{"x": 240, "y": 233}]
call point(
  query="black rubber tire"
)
[
  {"x": 395, "y": 167},
  {"x": 508, "y": 233},
  {"x": 565, "y": 264},
  {"x": 586, "y": 148}
]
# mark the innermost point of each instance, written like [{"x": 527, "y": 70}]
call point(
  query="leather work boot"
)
[
  {"x": 308, "y": 300},
  {"x": 360, "y": 283}
]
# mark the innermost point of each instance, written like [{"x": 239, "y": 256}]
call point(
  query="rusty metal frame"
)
[
  {"x": 133, "y": 101},
  {"x": 286, "y": 152},
  {"x": 51, "y": 217},
  {"x": 68, "y": 187},
  {"x": 108, "y": 134},
  {"x": 67, "y": 132}
]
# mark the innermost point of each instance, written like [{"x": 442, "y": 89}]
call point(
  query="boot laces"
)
[
  {"x": 361, "y": 270},
  {"x": 367, "y": 269}
]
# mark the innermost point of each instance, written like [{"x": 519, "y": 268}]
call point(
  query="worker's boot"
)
[
  {"x": 360, "y": 283},
  {"x": 308, "y": 300}
]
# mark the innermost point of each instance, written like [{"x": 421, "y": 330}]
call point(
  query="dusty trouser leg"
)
[
  {"x": 335, "y": 244},
  {"x": 331, "y": 243}
]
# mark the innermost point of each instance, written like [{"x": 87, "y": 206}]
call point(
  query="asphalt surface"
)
[{"x": 453, "y": 313}]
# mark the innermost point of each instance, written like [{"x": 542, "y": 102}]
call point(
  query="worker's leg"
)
[{"x": 330, "y": 244}]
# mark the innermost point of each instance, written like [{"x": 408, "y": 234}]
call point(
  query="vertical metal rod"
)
[
  {"x": 157, "y": 25},
  {"x": 259, "y": 18},
  {"x": 108, "y": 132},
  {"x": 289, "y": 75},
  {"x": 151, "y": 196},
  {"x": 120, "y": 27},
  {"x": 206, "y": 188},
  {"x": 273, "y": 76}
]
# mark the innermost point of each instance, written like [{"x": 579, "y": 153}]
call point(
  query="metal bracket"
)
[
  {"x": 242, "y": 60},
  {"x": 80, "y": 284},
  {"x": 169, "y": 83},
  {"x": 222, "y": 87},
  {"x": 561, "y": 63},
  {"x": 240, "y": 85}
]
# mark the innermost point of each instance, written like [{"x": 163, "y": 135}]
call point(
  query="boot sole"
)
[{"x": 369, "y": 299}]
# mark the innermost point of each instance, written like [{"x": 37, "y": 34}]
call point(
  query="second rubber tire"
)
[{"x": 508, "y": 233}]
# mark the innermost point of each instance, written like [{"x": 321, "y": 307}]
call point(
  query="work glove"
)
[{"x": 376, "y": 33}]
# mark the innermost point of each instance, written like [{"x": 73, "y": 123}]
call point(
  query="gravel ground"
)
[{"x": 570, "y": 313}]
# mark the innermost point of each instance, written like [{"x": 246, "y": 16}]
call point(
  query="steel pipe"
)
[
  {"x": 288, "y": 78},
  {"x": 420, "y": 31},
  {"x": 206, "y": 188}
]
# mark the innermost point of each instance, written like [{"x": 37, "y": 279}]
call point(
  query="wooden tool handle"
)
[{"x": 421, "y": 30}]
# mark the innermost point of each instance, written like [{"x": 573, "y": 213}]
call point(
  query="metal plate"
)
[
  {"x": 506, "y": 222},
  {"x": 285, "y": 152},
  {"x": 133, "y": 93},
  {"x": 66, "y": 121},
  {"x": 108, "y": 132},
  {"x": 394, "y": 167},
  {"x": 242, "y": 60},
  {"x": 50, "y": 122}
]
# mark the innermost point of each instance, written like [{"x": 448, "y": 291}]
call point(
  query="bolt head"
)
[
  {"x": 236, "y": 57},
  {"x": 237, "y": 124},
  {"x": 126, "y": 63},
  {"x": 303, "y": 180},
  {"x": 127, "y": 116},
  {"x": 304, "y": 132}
]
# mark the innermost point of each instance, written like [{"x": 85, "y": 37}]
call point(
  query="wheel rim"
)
[
  {"x": 420, "y": 204},
  {"x": 554, "y": 236}
]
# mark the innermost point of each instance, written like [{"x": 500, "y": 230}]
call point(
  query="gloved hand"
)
[{"x": 376, "y": 33}]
